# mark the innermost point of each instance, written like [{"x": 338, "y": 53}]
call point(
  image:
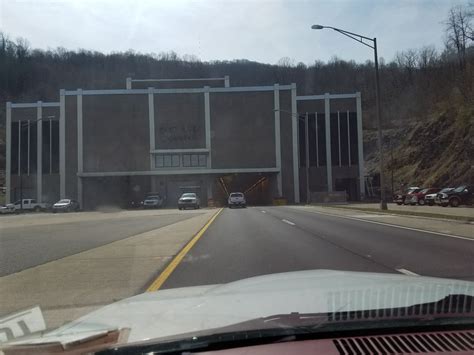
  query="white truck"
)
[{"x": 30, "y": 204}]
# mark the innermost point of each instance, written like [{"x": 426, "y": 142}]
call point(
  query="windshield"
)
[
  {"x": 190, "y": 195},
  {"x": 184, "y": 166}
]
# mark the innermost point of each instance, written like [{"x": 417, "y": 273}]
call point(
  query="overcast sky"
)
[{"x": 259, "y": 30}]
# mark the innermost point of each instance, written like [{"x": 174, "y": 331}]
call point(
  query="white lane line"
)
[
  {"x": 371, "y": 215},
  {"x": 287, "y": 222},
  {"x": 395, "y": 226},
  {"x": 407, "y": 272},
  {"x": 263, "y": 211}
]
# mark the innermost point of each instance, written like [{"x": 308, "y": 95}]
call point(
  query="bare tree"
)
[
  {"x": 459, "y": 31},
  {"x": 427, "y": 57}
]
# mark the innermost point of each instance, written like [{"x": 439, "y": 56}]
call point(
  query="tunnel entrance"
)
[{"x": 259, "y": 188}]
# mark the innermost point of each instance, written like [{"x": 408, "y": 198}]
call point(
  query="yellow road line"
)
[{"x": 160, "y": 280}]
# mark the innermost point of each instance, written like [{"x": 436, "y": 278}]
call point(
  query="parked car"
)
[
  {"x": 431, "y": 199},
  {"x": 419, "y": 197},
  {"x": 461, "y": 195},
  {"x": 153, "y": 201},
  {"x": 8, "y": 208},
  {"x": 236, "y": 199},
  {"x": 66, "y": 205},
  {"x": 30, "y": 204},
  {"x": 189, "y": 199},
  {"x": 400, "y": 199}
]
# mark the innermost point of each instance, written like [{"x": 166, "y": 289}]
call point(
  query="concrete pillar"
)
[
  {"x": 151, "y": 125},
  {"x": 294, "y": 131},
  {"x": 62, "y": 144},
  {"x": 210, "y": 181},
  {"x": 348, "y": 138},
  {"x": 39, "y": 152},
  {"x": 8, "y": 167},
  {"x": 276, "y": 103},
  {"x": 207, "y": 123},
  {"x": 80, "y": 149},
  {"x": 360, "y": 146},
  {"x": 339, "y": 137},
  {"x": 327, "y": 119},
  {"x": 227, "y": 81},
  {"x": 28, "y": 151},
  {"x": 50, "y": 146},
  {"x": 128, "y": 83},
  {"x": 317, "y": 138}
]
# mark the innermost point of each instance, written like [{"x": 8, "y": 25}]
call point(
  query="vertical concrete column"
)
[
  {"x": 19, "y": 148},
  {"x": 209, "y": 187},
  {"x": 294, "y": 131},
  {"x": 50, "y": 146},
  {"x": 276, "y": 106},
  {"x": 151, "y": 125},
  {"x": 348, "y": 138},
  {"x": 327, "y": 119},
  {"x": 360, "y": 146},
  {"x": 339, "y": 137},
  {"x": 8, "y": 167},
  {"x": 39, "y": 152},
  {"x": 62, "y": 143},
  {"x": 317, "y": 138},
  {"x": 80, "y": 149},
  {"x": 128, "y": 83},
  {"x": 28, "y": 152},
  {"x": 207, "y": 123},
  {"x": 227, "y": 81}
]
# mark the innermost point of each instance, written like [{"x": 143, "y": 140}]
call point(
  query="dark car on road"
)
[
  {"x": 403, "y": 198},
  {"x": 461, "y": 195},
  {"x": 190, "y": 200}
]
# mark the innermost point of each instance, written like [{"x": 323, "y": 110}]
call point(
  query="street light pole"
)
[
  {"x": 362, "y": 39},
  {"x": 383, "y": 200}
]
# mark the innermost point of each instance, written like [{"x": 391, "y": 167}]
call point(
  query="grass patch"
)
[{"x": 407, "y": 213}]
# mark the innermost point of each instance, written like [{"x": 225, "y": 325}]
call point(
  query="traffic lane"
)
[
  {"x": 423, "y": 253},
  {"x": 242, "y": 243},
  {"x": 25, "y": 247}
]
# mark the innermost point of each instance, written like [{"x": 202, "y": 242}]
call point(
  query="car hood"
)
[{"x": 194, "y": 309}]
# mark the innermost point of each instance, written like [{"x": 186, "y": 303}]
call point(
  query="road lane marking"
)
[
  {"x": 391, "y": 225},
  {"x": 371, "y": 215},
  {"x": 160, "y": 280},
  {"x": 263, "y": 211},
  {"x": 287, "y": 222},
  {"x": 407, "y": 272}
]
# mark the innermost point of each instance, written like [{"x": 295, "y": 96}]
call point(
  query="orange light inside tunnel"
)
[
  {"x": 224, "y": 187},
  {"x": 260, "y": 181}
]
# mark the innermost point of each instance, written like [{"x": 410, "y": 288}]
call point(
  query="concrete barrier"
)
[{"x": 326, "y": 197}]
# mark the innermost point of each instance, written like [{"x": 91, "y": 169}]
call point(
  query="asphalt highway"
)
[
  {"x": 22, "y": 247},
  {"x": 254, "y": 241}
]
